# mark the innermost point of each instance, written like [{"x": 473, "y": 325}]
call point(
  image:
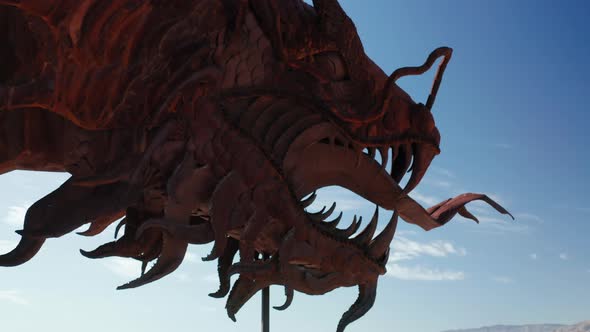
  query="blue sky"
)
[{"x": 514, "y": 122}]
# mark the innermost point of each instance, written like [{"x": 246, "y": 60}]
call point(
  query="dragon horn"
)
[
  {"x": 364, "y": 302},
  {"x": 444, "y": 52}
]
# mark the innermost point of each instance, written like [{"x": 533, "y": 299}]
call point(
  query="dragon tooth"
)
[
  {"x": 321, "y": 215},
  {"x": 384, "y": 152},
  {"x": 423, "y": 156},
  {"x": 329, "y": 212},
  {"x": 334, "y": 223},
  {"x": 402, "y": 162},
  {"x": 354, "y": 226},
  {"x": 371, "y": 152},
  {"x": 308, "y": 201},
  {"x": 380, "y": 244},
  {"x": 367, "y": 234}
]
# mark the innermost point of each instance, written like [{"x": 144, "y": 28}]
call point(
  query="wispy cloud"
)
[
  {"x": 406, "y": 249},
  {"x": 403, "y": 233},
  {"x": 503, "y": 279},
  {"x": 528, "y": 216},
  {"x": 124, "y": 267},
  {"x": 442, "y": 171},
  {"x": 424, "y": 199},
  {"x": 533, "y": 256},
  {"x": 500, "y": 225},
  {"x": 13, "y": 296},
  {"x": 345, "y": 200},
  {"x": 15, "y": 215},
  {"x": 423, "y": 273},
  {"x": 441, "y": 183},
  {"x": 564, "y": 256}
]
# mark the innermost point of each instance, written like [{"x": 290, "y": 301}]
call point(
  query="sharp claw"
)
[
  {"x": 24, "y": 251},
  {"x": 289, "y": 294},
  {"x": 172, "y": 255}
]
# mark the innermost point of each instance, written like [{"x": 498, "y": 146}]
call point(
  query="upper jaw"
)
[{"x": 322, "y": 156}]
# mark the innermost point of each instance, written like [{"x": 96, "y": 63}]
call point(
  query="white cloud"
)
[
  {"x": 564, "y": 256},
  {"x": 192, "y": 258},
  {"x": 422, "y": 273},
  {"x": 503, "y": 279},
  {"x": 124, "y": 267},
  {"x": 533, "y": 256},
  {"x": 13, "y": 296},
  {"x": 402, "y": 233},
  {"x": 15, "y": 215},
  {"x": 406, "y": 249}
]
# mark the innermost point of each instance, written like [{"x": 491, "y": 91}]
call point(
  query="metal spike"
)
[
  {"x": 401, "y": 162},
  {"x": 289, "y": 295},
  {"x": 354, "y": 226},
  {"x": 308, "y": 201},
  {"x": 328, "y": 213},
  {"x": 385, "y": 257},
  {"x": 423, "y": 156},
  {"x": 119, "y": 225},
  {"x": 317, "y": 215},
  {"x": 364, "y": 302},
  {"x": 367, "y": 234},
  {"x": 359, "y": 155},
  {"x": 384, "y": 152},
  {"x": 380, "y": 245},
  {"x": 394, "y": 155},
  {"x": 333, "y": 223},
  {"x": 371, "y": 151}
]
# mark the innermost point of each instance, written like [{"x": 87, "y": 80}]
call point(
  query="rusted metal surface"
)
[{"x": 215, "y": 121}]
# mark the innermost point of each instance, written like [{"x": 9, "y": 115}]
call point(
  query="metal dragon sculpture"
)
[{"x": 205, "y": 121}]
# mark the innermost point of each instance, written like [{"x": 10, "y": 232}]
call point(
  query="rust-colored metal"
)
[{"x": 215, "y": 121}]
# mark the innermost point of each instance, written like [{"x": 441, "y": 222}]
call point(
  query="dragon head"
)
[{"x": 363, "y": 111}]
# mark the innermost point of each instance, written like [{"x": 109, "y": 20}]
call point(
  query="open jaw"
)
[{"x": 324, "y": 156}]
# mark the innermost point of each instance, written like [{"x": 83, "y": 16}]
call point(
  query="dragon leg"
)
[
  {"x": 223, "y": 265},
  {"x": 61, "y": 212}
]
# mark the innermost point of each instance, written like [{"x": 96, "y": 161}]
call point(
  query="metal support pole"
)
[
  {"x": 266, "y": 306},
  {"x": 266, "y": 309}
]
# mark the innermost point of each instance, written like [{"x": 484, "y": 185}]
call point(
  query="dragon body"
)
[{"x": 215, "y": 121}]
